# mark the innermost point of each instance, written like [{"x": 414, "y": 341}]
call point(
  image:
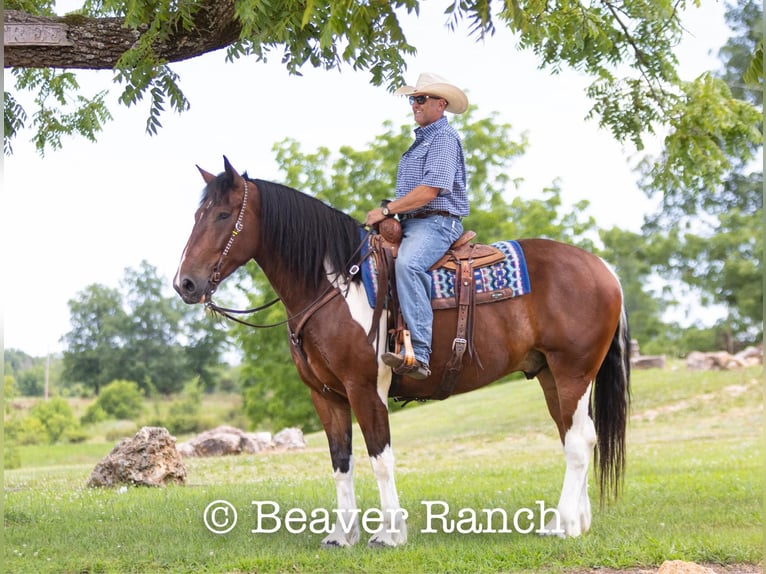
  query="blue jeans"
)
[{"x": 424, "y": 241}]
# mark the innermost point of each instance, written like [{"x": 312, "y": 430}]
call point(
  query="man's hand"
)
[{"x": 374, "y": 216}]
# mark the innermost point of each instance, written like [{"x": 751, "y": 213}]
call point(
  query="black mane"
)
[{"x": 300, "y": 232}]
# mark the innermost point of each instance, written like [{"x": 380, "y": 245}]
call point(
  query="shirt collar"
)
[{"x": 424, "y": 131}]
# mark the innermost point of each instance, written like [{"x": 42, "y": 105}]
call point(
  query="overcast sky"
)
[{"x": 83, "y": 214}]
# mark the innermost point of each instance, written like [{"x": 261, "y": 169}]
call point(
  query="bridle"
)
[{"x": 215, "y": 276}]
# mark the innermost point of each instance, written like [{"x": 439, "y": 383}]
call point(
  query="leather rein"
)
[{"x": 215, "y": 278}]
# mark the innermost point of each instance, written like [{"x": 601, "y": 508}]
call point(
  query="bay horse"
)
[{"x": 570, "y": 332}]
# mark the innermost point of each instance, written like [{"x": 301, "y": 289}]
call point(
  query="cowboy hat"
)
[{"x": 432, "y": 85}]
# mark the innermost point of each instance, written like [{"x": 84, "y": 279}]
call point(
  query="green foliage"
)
[
  {"x": 626, "y": 47},
  {"x": 139, "y": 333},
  {"x": 742, "y": 55},
  {"x": 92, "y": 355},
  {"x": 29, "y": 372},
  {"x": 184, "y": 415},
  {"x": 9, "y": 390},
  {"x": 754, "y": 73},
  {"x": 707, "y": 129},
  {"x": 11, "y": 456},
  {"x": 366, "y": 36},
  {"x": 710, "y": 237},
  {"x": 58, "y": 112},
  {"x": 94, "y": 414},
  {"x": 56, "y": 417},
  {"x": 120, "y": 400},
  {"x": 26, "y": 430}
]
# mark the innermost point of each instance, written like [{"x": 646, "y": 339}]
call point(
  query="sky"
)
[{"x": 84, "y": 214}]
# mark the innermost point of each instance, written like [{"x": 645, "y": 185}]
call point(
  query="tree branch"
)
[{"x": 98, "y": 43}]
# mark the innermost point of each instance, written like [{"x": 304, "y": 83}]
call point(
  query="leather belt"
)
[{"x": 427, "y": 213}]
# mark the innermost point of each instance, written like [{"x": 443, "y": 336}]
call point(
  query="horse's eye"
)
[{"x": 223, "y": 215}]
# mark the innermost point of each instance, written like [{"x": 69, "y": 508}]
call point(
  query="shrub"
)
[
  {"x": 56, "y": 417},
  {"x": 11, "y": 458},
  {"x": 27, "y": 430},
  {"x": 75, "y": 435},
  {"x": 121, "y": 400},
  {"x": 93, "y": 414}
]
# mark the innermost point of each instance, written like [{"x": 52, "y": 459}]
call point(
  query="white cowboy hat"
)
[{"x": 432, "y": 85}]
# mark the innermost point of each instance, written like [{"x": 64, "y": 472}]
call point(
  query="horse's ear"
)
[
  {"x": 207, "y": 176},
  {"x": 229, "y": 169}
]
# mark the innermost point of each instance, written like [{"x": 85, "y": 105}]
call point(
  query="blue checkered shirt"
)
[{"x": 436, "y": 159}]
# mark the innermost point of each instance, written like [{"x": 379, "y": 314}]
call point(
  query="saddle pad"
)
[{"x": 510, "y": 276}]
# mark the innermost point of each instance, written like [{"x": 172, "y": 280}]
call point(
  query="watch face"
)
[{"x": 386, "y": 211}]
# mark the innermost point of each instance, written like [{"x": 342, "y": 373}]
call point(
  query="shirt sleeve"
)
[{"x": 442, "y": 163}]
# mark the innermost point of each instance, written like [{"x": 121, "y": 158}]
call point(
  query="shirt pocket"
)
[{"x": 416, "y": 158}]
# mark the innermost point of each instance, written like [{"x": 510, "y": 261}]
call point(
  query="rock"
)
[
  {"x": 721, "y": 360},
  {"x": 289, "y": 438},
  {"x": 226, "y": 440},
  {"x": 696, "y": 361},
  {"x": 648, "y": 362},
  {"x": 751, "y": 356},
  {"x": 150, "y": 458},
  {"x": 681, "y": 567}
]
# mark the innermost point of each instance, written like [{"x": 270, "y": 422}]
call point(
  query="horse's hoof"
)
[
  {"x": 330, "y": 544},
  {"x": 377, "y": 543}
]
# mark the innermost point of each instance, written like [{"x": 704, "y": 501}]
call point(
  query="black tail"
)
[{"x": 610, "y": 411}]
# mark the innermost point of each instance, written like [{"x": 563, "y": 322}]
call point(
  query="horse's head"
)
[{"x": 217, "y": 246}]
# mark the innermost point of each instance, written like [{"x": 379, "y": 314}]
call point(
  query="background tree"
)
[
  {"x": 713, "y": 233},
  {"x": 94, "y": 346},
  {"x": 139, "y": 333},
  {"x": 152, "y": 354}
]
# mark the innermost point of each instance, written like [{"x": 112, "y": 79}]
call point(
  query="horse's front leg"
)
[
  {"x": 371, "y": 410},
  {"x": 335, "y": 415}
]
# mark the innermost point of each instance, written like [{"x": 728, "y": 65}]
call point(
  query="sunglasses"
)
[{"x": 422, "y": 99}]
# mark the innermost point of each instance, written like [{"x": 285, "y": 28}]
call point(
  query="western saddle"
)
[{"x": 462, "y": 258}]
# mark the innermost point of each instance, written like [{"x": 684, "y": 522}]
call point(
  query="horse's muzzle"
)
[{"x": 191, "y": 291}]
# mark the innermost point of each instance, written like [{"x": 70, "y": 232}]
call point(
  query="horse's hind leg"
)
[
  {"x": 336, "y": 419},
  {"x": 570, "y": 411}
]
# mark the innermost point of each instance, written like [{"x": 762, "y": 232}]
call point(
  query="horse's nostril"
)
[{"x": 188, "y": 285}]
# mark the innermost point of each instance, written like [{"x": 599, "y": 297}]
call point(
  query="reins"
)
[{"x": 328, "y": 294}]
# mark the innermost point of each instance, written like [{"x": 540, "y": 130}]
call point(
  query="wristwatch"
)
[{"x": 386, "y": 211}]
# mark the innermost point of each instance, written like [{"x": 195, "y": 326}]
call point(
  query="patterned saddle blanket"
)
[{"x": 502, "y": 280}]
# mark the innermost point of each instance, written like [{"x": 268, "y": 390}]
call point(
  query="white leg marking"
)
[
  {"x": 346, "y": 529},
  {"x": 393, "y": 528},
  {"x": 574, "y": 511}
]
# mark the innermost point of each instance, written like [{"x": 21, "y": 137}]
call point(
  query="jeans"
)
[{"x": 424, "y": 241}]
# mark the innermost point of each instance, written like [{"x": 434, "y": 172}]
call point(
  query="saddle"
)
[{"x": 463, "y": 257}]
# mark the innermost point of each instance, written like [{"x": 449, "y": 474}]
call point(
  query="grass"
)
[{"x": 693, "y": 491}]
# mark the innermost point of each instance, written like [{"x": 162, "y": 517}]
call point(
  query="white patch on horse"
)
[
  {"x": 393, "y": 530},
  {"x": 362, "y": 313},
  {"x": 574, "y": 513},
  {"x": 177, "y": 278},
  {"x": 346, "y": 529}
]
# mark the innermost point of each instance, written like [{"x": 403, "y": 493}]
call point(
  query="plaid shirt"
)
[{"x": 435, "y": 159}]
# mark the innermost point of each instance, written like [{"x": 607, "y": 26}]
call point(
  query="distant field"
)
[{"x": 693, "y": 491}]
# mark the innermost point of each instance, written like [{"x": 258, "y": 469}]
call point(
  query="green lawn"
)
[{"x": 693, "y": 491}]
